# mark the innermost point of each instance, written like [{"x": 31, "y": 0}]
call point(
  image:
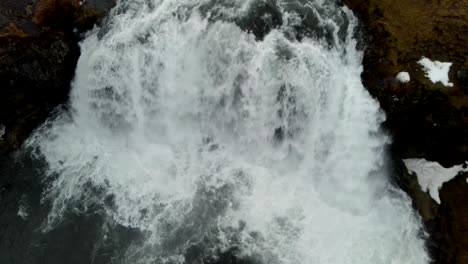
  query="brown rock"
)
[
  {"x": 55, "y": 12},
  {"x": 453, "y": 220},
  {"x": 38, "y": 55},
  {"x": 11, "y": 31},
  {"x": 426, "y": 120}
]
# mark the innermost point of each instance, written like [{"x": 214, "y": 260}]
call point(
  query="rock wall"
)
[
  {"x": 426, "y": 119},
  {"x": 38, "y": 54}
]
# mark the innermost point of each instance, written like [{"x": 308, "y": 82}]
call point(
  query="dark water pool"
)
[{"x": 80, "y": 238}]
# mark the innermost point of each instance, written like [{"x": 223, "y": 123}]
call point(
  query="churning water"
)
[{"x": 229, "y": 127}]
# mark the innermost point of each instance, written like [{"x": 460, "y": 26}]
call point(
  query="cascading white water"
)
[{"x": 193, "y": 131}]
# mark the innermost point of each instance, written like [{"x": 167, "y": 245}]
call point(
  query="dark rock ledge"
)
[
  {"x": 426, "y": 120},
  {"x": 38, "y": 55}
]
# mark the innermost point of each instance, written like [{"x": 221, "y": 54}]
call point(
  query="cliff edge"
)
[
  {"x": 38, "y": 55},
  {"x": 427, "y": 117}
]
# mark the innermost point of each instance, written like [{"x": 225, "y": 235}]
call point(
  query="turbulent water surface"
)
[{"x": 221, "y": 131}]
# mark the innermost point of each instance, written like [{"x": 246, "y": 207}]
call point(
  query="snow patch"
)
[
  {"x": 403, "y": 77},
  {"x": 436, "y": 71},
  {"x": 431, "y": 175}
]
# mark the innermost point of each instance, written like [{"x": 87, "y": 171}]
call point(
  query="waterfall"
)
[{"x": 222, "y": 126}]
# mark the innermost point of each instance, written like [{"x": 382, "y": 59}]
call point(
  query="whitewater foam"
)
[{"x": 200, "y": 135}]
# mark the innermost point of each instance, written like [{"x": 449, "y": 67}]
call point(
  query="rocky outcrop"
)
[
  {"x": 453, "y": 221},
  {"x": 38, "y": 55},
  {"x": 426, "y": 119}
]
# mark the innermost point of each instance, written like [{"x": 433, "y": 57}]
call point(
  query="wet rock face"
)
[
  {"x": 427, "y": 120},
  {"x": 453, "y": 221},
  {"x": 35, "y": 75},
  {"x": 38, "y": 54}
]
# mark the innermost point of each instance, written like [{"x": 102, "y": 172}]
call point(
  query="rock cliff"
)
[
  {"x": 426, "y": 120},
  {"x": 38, "y": 55}
]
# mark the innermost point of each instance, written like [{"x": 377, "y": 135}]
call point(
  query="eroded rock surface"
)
[{"x": 427, "y": 120}]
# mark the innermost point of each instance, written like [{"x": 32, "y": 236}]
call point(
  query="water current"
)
[{"x": 222, "y": 131}]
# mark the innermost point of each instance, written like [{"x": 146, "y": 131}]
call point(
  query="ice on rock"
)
[
  {"x": 403, "y": 77},
  {"x": 436, "y": 71},
  {"x": 431, "y": 175}
]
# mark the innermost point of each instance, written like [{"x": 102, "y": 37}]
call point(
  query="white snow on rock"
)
[
  {"x": 436, "y": 71},
  {"x": 431, "y": 175},
  {"x": 403, "y": 77}
]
